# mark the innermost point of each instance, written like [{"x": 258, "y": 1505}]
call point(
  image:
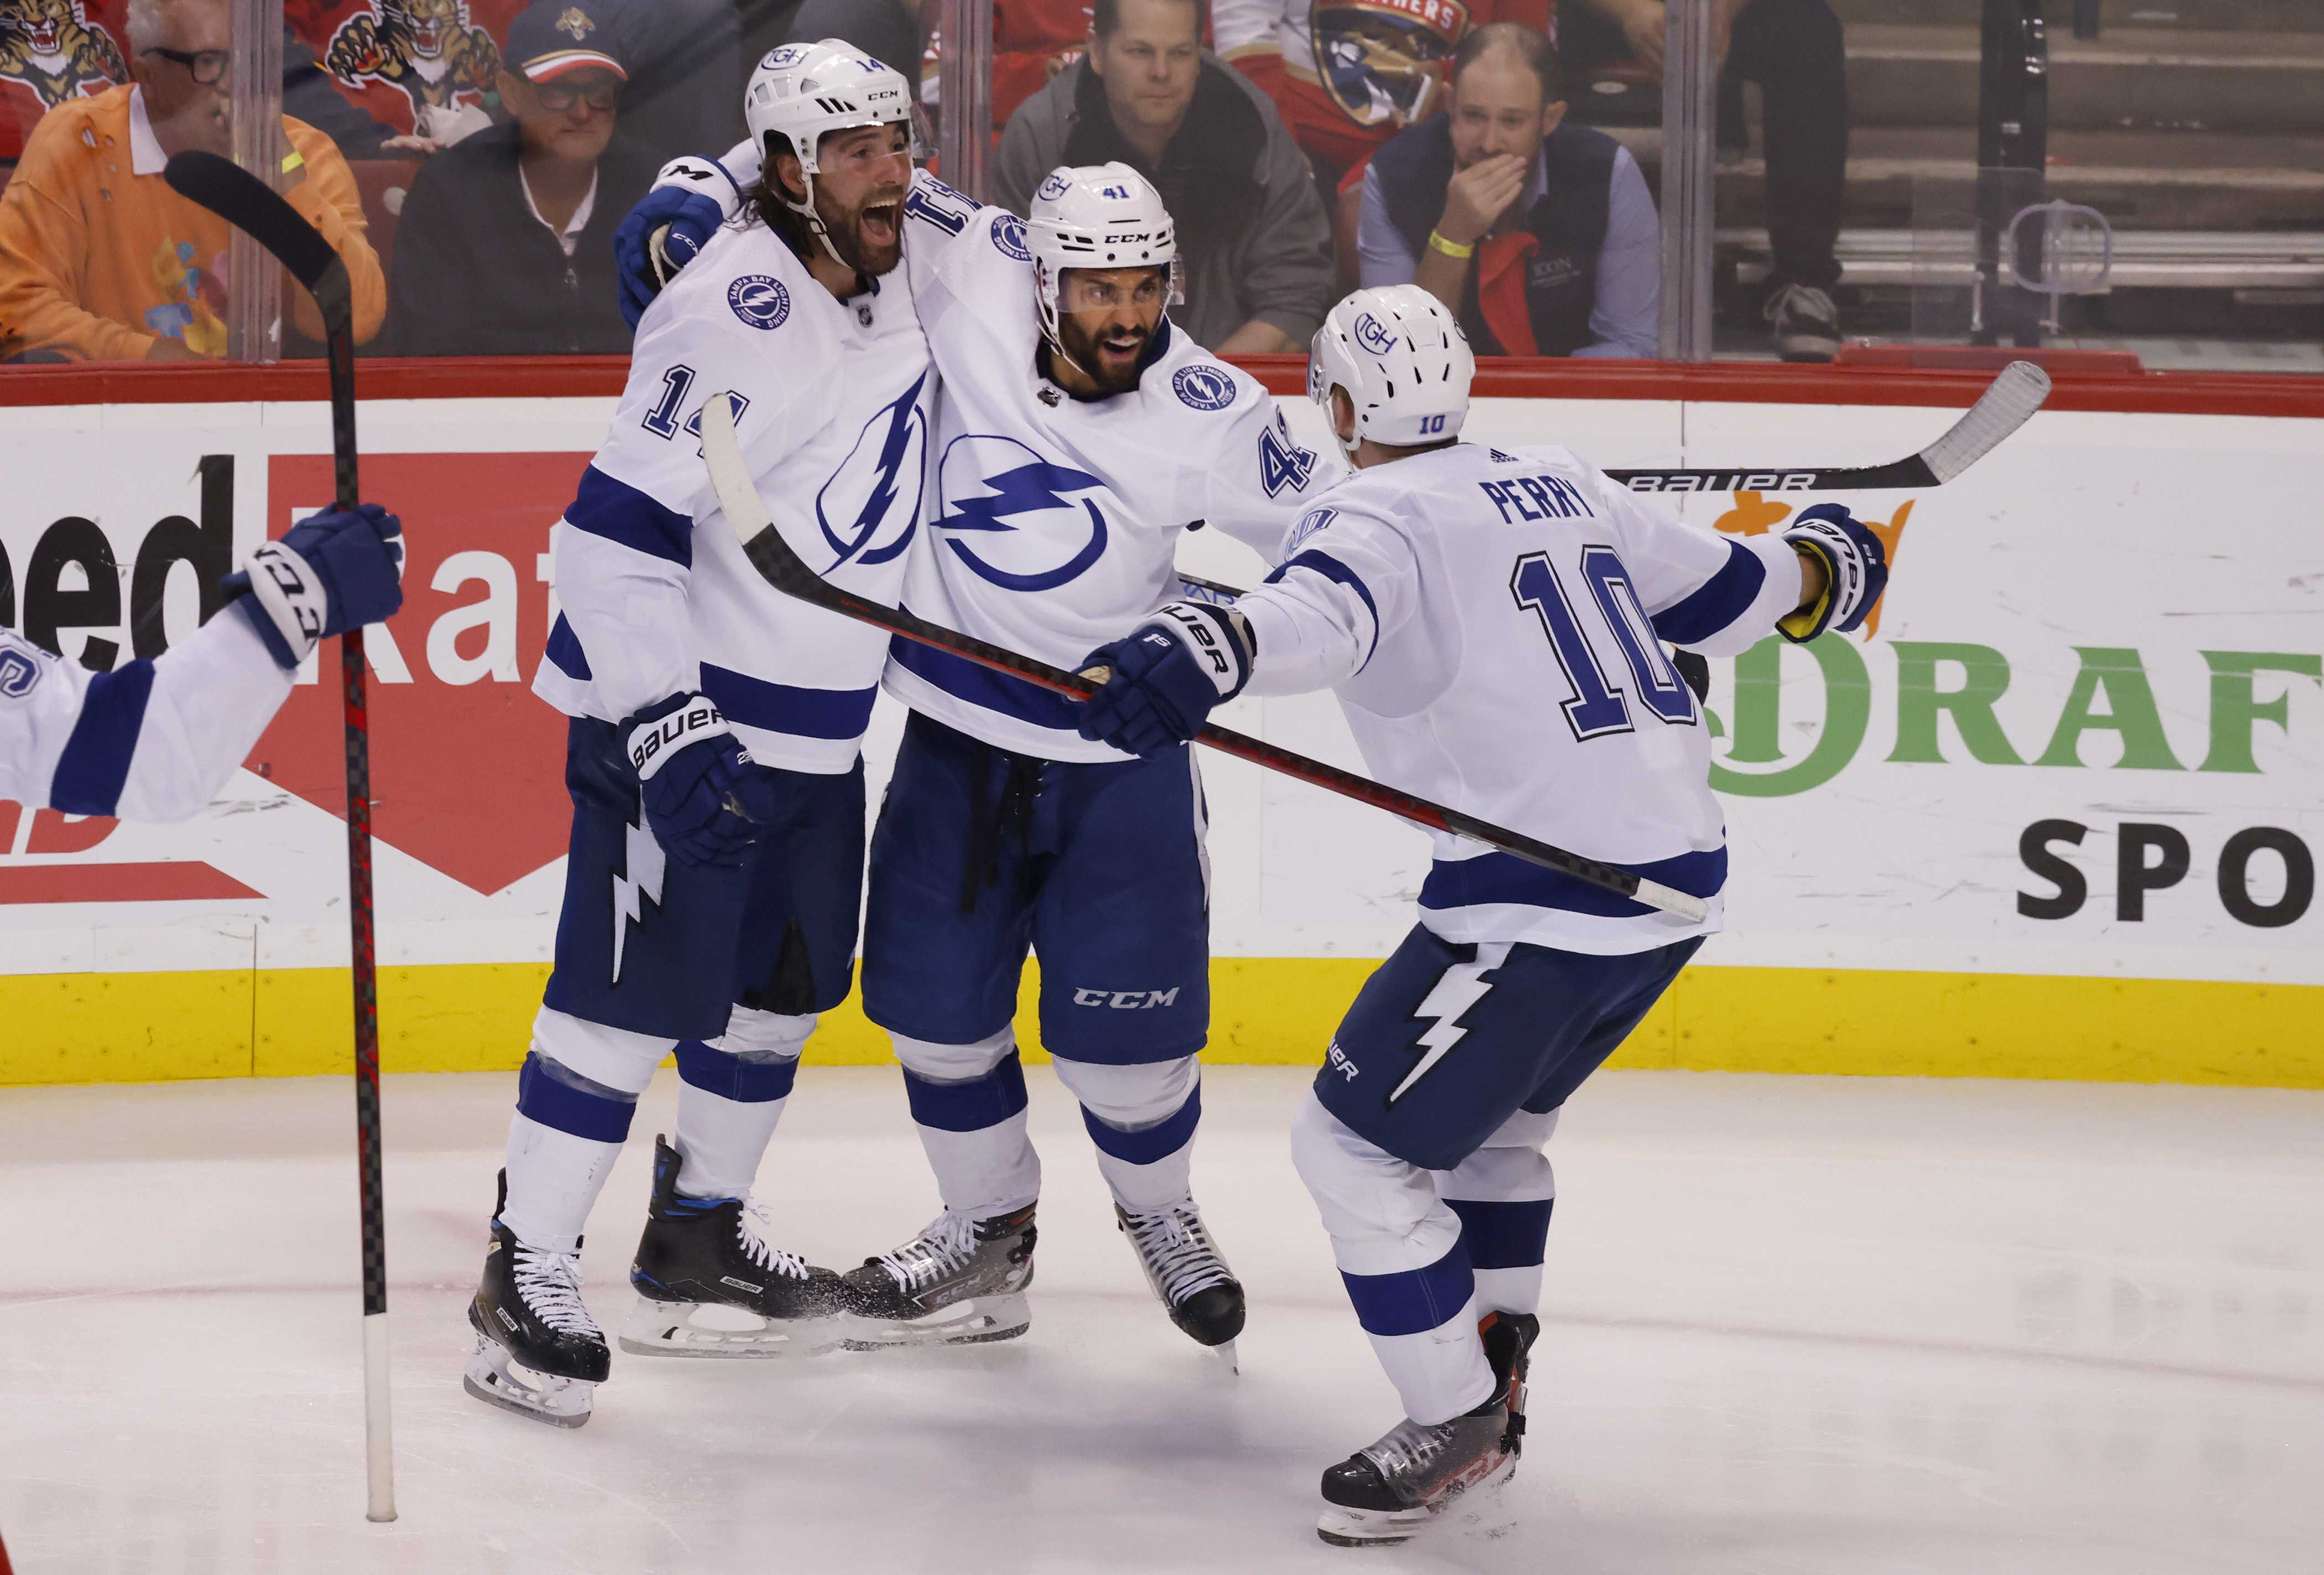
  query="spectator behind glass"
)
[
  {"x": 1541, "y": 235},
  {"x": 1252, "y": 235},
  {"x": 1798, "y": 54},
  {"x": 1350, "y": 74},
  {"x": 505, "y": 246},
  {"x": 100, "y": 260}
]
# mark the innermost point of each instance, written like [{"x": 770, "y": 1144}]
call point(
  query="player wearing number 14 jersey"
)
[{"x": 1493, "y": 623}]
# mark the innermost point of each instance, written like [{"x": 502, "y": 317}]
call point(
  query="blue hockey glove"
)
[
  {"x": 703, "y": 798},
  {"x": 334, "y": 571},
  {"x": 1854, "y": 570},
  {"x": 1167, "y": 675},
  {"x": 690, "y": 200}
]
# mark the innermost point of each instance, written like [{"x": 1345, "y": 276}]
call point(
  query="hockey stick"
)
[
  {"x": 250, "y": 205},
  {"x": 2006, "y": 404},
  {"x": 780, "y": 567}
]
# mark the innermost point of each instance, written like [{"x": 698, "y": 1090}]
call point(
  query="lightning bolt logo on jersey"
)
[{"x": 1053, "y": 520}]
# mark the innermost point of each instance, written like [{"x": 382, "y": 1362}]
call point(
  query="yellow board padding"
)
[{"x": 151, "y": 1028}]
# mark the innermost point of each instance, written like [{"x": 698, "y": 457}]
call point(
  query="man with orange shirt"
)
[
  {"x": 1348, "y": 75},
  {"x": 100, "y": 260}
]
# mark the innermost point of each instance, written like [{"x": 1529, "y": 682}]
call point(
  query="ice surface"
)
[{"x": 1861, "y": 1327}]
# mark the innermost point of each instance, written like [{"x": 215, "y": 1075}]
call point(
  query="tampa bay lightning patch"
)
[
  {"x": 1203, "y": 388},
  {"x": 1008, "y": 237},
  {"x": 20, "y": 669},
  {"x": 760, "y": 299}
]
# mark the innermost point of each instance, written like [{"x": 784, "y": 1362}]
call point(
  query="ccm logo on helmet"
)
[
  {"x": 1374, "y": 335},
  {"x": 1203, "y": 388},
  {"x": 760, "y": 299}
]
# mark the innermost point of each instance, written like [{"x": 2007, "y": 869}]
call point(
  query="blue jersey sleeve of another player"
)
[
  {"x": 1705, "y": 591},
  {"x": 725, "y": 329}
]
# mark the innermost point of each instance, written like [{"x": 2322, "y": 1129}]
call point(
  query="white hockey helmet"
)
[
  {"x": 1401, "y": 356},
  {"x": 1098, "y": 215},
  {"x": 805, "y": 91}
]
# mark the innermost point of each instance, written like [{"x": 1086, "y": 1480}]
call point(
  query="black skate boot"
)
[
  {"x": 959, "y": 1282},
  {"x": 1183, "y": 1265},
  {"x": 539, "y": 1353},
  {"x": 709, "y": 1286},
  {"x": 1382, "y": 1495}
]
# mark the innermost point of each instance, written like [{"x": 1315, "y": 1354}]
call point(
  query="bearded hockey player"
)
[
  {"x": 715, "y": 750},
  {"x": 1492, "y": 624},
  {"x": 154, "y": 739},
  {"x": 1078, "y": 435}
]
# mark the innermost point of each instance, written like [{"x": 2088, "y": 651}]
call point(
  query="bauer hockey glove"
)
[
  {"x": 334, "y": 571},
  {"x": 1855, "y": 571},
  {"x": 1165, "y": 678},
  {"x": 690, "y": 200},
  {"x": 702, "y": 795}
]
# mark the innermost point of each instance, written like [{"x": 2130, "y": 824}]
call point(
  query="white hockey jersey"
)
[
  {"x": 150, "y": 741},
  {"x": 832, "y": 402},
  {"x": 1050, "y": 522},
  {"x": 1493, "y": 625}
]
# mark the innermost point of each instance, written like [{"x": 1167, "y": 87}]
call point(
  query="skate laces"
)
[
  {"x": 943, "y": 1246},
  {"x": 550, "y": 1284},
  {"x": 756, "y": 1247},
  {"x": 1176, "y": 1251},
  {"x": 1407, "y": 1448}
]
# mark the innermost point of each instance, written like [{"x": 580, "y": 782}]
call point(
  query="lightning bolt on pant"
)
[{"x": 1421, "y": 1143}]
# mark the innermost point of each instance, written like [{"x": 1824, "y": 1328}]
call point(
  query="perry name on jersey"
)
[
  {"x": 1493, "y": 623},
  {"x": 1051, "y": 521},
  {"x": 831, "y": 401}
]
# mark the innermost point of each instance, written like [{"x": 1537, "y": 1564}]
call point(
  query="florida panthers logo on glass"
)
[
  {"x": 760, "y": 299},
  {"x": 871, "y": 507},
  {"x": 1374, "y": 335},
  {"x": 1033, "y": 533},
  {"x": 1203, "y": 388}
]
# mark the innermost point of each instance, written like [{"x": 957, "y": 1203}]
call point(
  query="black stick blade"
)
[{"x": 251, "y": 205}]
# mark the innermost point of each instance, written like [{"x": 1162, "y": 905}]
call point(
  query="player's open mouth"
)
[
  {"x": 880, "y": 222},
  {"x": 1122, "y": 347}
]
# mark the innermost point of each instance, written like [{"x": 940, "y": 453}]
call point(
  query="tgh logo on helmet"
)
[{"x": 1374, "y": 335}]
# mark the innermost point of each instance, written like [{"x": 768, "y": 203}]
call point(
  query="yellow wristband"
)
[{"x": 1454, "y": 249}]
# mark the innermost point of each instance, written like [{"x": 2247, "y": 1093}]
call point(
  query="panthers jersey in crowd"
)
[
  {"x": 831, "y": 403},
  {"x": 1051, "y": 521},
  {"x": 1493, "y": 623}
]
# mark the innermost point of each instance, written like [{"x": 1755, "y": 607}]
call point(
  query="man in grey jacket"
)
[{"x": 1253, "y": 235}]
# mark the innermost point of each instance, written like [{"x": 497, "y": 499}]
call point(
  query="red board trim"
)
[
  {"x": 2194, "y": 393},
  {"x": 175, "y": 880}
]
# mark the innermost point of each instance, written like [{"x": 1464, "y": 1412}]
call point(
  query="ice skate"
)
[
  {"x": 1383, "y": 1493},
  {"x": 959, "y": 1282},
  {"x": 708, "y": 1284},
  {"x": 539, "y": 1353},
  {"x": 1187, "y": 1273}
]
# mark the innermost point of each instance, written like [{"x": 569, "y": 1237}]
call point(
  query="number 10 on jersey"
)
[{"x": 1598, "y": 706}]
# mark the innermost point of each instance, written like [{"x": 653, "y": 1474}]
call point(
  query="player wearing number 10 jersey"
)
[{"x": 1493, "y": 623}]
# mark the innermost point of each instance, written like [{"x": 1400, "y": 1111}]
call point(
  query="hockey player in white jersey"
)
[
  {"x": 1492, "y": 622},
  {"x": 154, "y": 739},
  {"x": 1079, "y": 434},
  {"x": 715, "y": 750}
]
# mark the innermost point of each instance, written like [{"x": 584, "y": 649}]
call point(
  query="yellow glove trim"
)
[{"x": 1803, "y": 623}]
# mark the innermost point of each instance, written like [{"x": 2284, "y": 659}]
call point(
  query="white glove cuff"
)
[
  {"x": 651, "y": 743},
  {"x": 708, "y": 175},
  {"x": 291, "y": 594}
]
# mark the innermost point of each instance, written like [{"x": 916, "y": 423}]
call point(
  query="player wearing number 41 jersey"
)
[{"x": 1493, "y": 623}]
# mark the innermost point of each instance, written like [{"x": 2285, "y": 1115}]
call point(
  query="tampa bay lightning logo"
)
[
  {"x": 1204, "y": 388},
  {"x": 877, "y": 487},
  {"x": 19, "y": 669},
  {"x": 760, "y": 299},
  {"x": 1008, "y": 237},
  {"x": 1374, "y": 335},
  {"x": 1039, "y": 536}
]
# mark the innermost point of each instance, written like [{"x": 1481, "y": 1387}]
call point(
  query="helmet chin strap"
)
[
  {"x": 814, "y": 225},
  {"x": 1045, "y": 296}
]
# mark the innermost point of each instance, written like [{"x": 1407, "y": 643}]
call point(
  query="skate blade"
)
[
  {"x": 678, "y": 1329},
  {"x": 1224, "y": 1360},
  {"x": 497, "y": 1378},
  {"x": 979, "y": 1320},
  {"x": 1469, "y": 1506}
]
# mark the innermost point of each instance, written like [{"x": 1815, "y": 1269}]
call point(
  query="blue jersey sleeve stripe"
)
[
  {"x": 618, "y": 512},
  {"x": 1332, "y": 568},
  {"x": 1498, "y": 877},
  {"x": 1718, "y": 602},
  {"x": 565, "y": 651},
  {"x": 979, "y": 686},
  {"x": 95, "y": 759},
  {"x": 840, "y": 713}
]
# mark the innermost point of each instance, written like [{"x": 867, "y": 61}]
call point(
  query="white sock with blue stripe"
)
[
  {"x": 576, "y": 1095},
  {"x": 730, "y": 1094},
  {"x": 1142, "y": 1119},
  {"x": 1503, "y": 1194},
  {"x": 969, "y": 1103}
]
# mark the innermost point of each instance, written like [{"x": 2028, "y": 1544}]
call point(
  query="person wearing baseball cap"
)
[{"x": 505, "y": 244}]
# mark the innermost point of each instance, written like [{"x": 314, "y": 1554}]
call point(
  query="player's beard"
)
[
  {"x": 1114, "y": 374},
  {"x": 869, "y": 239}
]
